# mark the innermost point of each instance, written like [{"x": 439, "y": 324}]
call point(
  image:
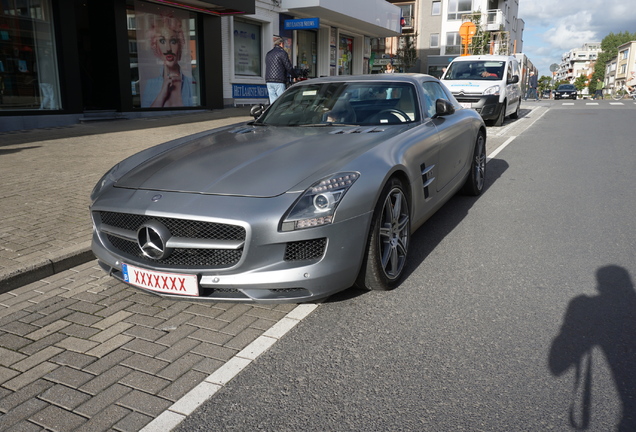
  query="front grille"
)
[
  {"x": 180, "y": 257},
  {"x": 305, "y": 250},
  {"x": 178, "y": 227}
]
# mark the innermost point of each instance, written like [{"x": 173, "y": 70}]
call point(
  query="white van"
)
[{"x": 486, "y": 83}]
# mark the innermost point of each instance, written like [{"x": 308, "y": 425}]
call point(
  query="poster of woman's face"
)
[{"x": 165, "y": 71}]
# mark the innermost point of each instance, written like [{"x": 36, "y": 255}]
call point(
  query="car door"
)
[{"x": 455, "y": 136}]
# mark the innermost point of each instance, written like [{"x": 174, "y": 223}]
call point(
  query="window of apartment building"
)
[
  {"x": 623, "y": 69},
  {"x": 434, "y": 42},
  {"x": 28, "y": 66},
  {"x": 453, "y": 43},
  {"x": 436, "y": 8},
  {"x": 162, "y": 44},
  {"x": 456, "y": 8},
  {"x": 408, "y": 13},
  {"x": 623, "y": 54}
]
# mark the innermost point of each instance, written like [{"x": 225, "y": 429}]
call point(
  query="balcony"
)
[{"x": 491, "y": 20}]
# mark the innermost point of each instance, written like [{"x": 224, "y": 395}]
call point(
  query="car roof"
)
[{"x": 399, "y": 77}]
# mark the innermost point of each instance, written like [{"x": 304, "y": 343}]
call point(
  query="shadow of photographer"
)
[{"x": 606, "y": 321}]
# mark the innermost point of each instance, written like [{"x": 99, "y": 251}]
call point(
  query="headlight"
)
[
  {"x": 494, "y": 90},
  {"x": 107, "y": 179},
  {"x": 318, "y": 203}
]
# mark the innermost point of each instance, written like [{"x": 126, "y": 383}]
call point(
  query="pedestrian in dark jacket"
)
[
  {"x": 277, "y": 68},
  {"x": 532, "y": 87}
]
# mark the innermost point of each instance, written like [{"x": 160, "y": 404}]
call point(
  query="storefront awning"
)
[
  {"x": 377, "y": 18},
  {"x": 215, "y": 7}
]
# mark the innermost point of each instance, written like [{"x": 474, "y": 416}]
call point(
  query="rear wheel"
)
[
  {"x": 388, "y": 242},
  {"x": 477, "y": 177}
]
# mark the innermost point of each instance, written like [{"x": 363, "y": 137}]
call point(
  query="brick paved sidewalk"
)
[
  {"x": 80, "y": 351},
  {"x": 46, "y": 177}
]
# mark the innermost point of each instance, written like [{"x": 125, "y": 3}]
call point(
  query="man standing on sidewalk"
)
[{"x": 277, "y": 68}]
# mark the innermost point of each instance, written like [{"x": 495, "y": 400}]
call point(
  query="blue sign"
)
[
  {"x": 302, "y": 24},
  {"x": 249, "y": 91}
]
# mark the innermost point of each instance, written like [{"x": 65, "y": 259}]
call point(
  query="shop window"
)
[
  {"x": 307, "y": 53},
  {"x": 163, "y": 45},
  {"x": 247, "y": 49},
  {"x": 29, "y": 77},
  {"x": 345, "y": 56}
]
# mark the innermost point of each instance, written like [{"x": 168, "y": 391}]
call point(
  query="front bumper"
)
[
  {"x": 264, "y": 272},
  {"x": 487, "y": 106}
]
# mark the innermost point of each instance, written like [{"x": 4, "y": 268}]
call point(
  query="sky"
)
[{"x": 553, "y": 28}]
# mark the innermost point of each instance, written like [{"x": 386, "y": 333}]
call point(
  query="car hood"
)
[{"x": 255, "y": 161}]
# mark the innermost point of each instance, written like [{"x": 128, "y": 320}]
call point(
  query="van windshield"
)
[{"x": 475, "y": 70}]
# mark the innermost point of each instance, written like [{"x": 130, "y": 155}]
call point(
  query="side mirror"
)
[
  {"x": 514, "y": 79},
  {"x": 257, "y": 110},
  {"x": 443, "y": 108}
]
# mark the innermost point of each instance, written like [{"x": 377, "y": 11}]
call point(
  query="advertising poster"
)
[
  {"x": 247, "y": 49},
  {"x": 164, "y": 57}
]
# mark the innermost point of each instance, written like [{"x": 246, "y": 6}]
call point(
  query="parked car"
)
[
  {"x": 322, "y": 191},
  {"x": 565, "y": 91},
  {"x": 490, "y": 84}
]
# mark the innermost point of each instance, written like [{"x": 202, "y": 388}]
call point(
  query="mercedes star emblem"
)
[{"x": 152, "y": 238}]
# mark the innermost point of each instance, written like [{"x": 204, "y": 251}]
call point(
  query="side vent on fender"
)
[{"x": 427, "y": 178}]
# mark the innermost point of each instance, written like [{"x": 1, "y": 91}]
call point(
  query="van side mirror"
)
[
  {"x": 443, "y": 108},
  {"x": 514, "y": 79}
]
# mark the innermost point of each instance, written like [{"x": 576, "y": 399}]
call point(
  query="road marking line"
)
[
  {"x": 617, "y": 103},
  {"x": 177, "y": 412},
  {"x": 591, "y": 103}
]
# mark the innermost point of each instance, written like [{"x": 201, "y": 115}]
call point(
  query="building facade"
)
[
  {"x": 436, "y": 27},
  {"x": 621, "y": 70},
  {"x": 322, "y": 38},
  {"x": 64, "y": 61},
  {"x": 577, "y": 62}
]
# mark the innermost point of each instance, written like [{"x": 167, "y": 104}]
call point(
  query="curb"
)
[{"x": 45, "y": 267}]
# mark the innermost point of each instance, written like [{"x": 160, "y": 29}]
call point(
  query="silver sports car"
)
[{"x": 321, "y": 192}]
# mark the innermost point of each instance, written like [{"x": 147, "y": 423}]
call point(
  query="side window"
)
[{"x": 432, "y": 92}]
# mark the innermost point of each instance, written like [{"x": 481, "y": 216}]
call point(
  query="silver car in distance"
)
[{"x": 321, "y": 192}]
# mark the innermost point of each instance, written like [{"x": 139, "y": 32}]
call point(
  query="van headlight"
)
[
  {"x": 317, "y": 205},
  {"x": 494, "y": 90}
]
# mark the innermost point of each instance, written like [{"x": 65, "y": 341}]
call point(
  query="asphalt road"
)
[{"x": 505, "y": 294}]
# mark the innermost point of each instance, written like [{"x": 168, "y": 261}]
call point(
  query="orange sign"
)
[{"x": 467, "y": 31}]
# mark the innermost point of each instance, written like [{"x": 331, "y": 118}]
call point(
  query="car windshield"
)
[
  {"x": 344, "y": 103},
  {"x": 566, "y": 87},
  {"x": 475, "y": 70}
]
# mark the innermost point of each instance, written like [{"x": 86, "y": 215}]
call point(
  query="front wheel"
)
[
  {"x": 618, "y": 94},
  {"x": 388, "y": 242},
  {"x": 502, "y": 115},
  {"x": 477, "y": 176}
]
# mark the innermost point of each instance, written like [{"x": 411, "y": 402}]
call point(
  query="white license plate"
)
[
  {"x": 167, "y": 283},
  {"x": 466, "y": 104}
]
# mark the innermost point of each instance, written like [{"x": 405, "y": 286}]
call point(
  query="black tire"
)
[
  {"x": 477, "y": 176},
  {"x": 515, "y": 115},
  {"x": 388, "y": 240},
  {"x": 501, "y": 116}
]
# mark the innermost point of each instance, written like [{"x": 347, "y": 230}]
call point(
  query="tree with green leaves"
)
[
  {"x": 480, "y": 42},
  {"x": 580, "y": 83},
  {"x": 407, "y": 53}
]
